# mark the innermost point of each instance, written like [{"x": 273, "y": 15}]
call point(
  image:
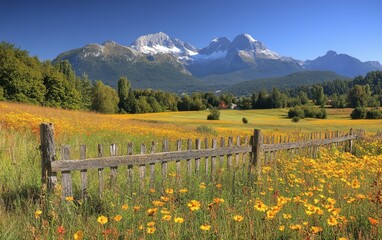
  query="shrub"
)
[
  {"x": 358, "y": 113},
  {"x": 214, "y": 114},
  {"x": 295, "y": 119},
  {"x": 203, "y": 129},
  {"x": 307, "y": 112},
  {"x": 374, "y": 114},
  {"x": 245, "y": 120}
]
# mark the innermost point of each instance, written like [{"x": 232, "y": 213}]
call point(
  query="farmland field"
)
[{"x": 335, "y": 196}]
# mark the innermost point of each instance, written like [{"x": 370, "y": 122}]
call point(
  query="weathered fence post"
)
[
  {"x": 84, "y": 176},
  {"x": 100, "y": 171},
  {"x": 48, "y": 155},
  {"x": 256, "y": 150},
  {"x": 351, "y": 141}
]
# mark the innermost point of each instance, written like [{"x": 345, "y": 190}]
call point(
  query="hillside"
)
[{"x": 289, "y": 81}]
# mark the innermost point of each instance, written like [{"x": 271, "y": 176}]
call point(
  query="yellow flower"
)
[
  {"x": 152, "y": 190},
  {"x": 205, "y": 227},
  {"x": 79, "y": 235},
  {"x": 150, "y": 230},
  {"x": 287, "y": 216},
  {"x": 169, "y": 190},
  {"x": 165, "y": 211},
  {"x": 282, "y": 228},
  {"x": 332, "y": 201},
  {"x": 151, "y": 224},
  {"x": 342, "y": 238},
  {"x": 295, "y": 227},
  {"x": 151, "y": 211},
  {"x": 219, "y": 185},
  {"x": 332, "y": 221},
  {"x": 118, "y": 218},
  {"x": 69, "y": 199},
  {"x": 125, "y": 207},
  {"x": 238, "y": 218},
  {"x": 158, "y": 203},
  {"x": 271, "y": 214},
  {"x": 316, "y": 229},
  {"x": 102, "y": 220},
  {"x": 202, "y": 185},
  {"x": 194, "y": 205},
  {"x": 178, "y": 220},
  {"x": 165, "y": 199},
  {"x": 166, "y": 218},
  {"x": 136, "y": 208},
  {"x": 37, "y": 213},
  {"x": 183, "y": 190},
  {"x": 355, "y": 183},
  {"x": 260, "y": 206}
]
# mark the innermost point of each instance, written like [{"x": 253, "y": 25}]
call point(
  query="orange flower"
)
[
  {"x": 151, "y": 211},
  {"x": 125, "y": 207},
  {"x": 373, "y": 221},
  {"x": 169, "y": 190},
  {"x": 79, "y": 235},
  {"x": 316, "y": 229},
  {"x": 61, "y": 230},
  {"x": 166, "y": 218},
  {"x": 150, "y": 230},
  {"x": 118, "y": 218}
]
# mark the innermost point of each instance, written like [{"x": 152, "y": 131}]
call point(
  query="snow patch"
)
[
  {"x": 212, "y": 56},
  {"x": 250, "y": 38}
]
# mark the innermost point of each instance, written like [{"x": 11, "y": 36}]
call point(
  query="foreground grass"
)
[{"x": 335, "y": 196}]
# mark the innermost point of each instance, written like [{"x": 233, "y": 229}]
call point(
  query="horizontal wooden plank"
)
[
  {"x": 309, "y": 143},
  {"x": 143, "y": 159}
]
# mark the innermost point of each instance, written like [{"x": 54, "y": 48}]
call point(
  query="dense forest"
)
[{"x": 26, "y": 79}]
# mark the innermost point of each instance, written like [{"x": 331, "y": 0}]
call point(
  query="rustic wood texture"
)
[
  {"x": 84, "y": 174},
  {"x": 48, "y": 155},
  {"x": 141, "y": 160},
  {"x": 189, "y": 148},
  {"x": 198, "y": 147},
  {"x": 113, "y": 169},
  {"x": 100, "y": 170},
  {"x": 67, "y": 184}
]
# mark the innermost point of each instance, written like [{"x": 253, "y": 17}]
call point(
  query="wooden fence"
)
[{"x": 258, "y": 149}]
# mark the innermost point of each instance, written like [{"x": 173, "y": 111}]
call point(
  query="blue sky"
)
[{"x": 302, "y": 29}]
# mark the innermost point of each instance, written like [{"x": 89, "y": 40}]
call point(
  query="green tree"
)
[
  {"x": 318, "y": 95},
  {"x": 359, "y": 96},
  {"x": 105, "y": 98},
  {"x": 123, "y": 92}
]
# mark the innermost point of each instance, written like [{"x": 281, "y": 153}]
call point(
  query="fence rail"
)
[{"x": 257, "y": 151}]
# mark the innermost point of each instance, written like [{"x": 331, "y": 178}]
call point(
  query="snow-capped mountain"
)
[
  {"x": 161, "y": 43},
  {"x": 155, "y": 60}
]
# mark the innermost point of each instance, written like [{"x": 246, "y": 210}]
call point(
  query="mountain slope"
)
[
  {"x": 109, "y": 61},
  {"x": 289, "y": 81},
  {"x": 342, "y": 64}
]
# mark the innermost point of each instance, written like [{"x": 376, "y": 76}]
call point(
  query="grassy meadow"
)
[{"x": 335, "y": 196}]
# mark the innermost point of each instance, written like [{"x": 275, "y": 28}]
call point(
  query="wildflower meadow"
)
[{"x": 337, "y": 195}]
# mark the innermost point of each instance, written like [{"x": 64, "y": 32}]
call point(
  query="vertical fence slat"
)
[
  {"x": 221, "y": 157},
  {"x": 189, "y": 148},
  {"x": 142, "y": 169},
  {"x": 206, "y": 158},
  {"x": 177, "y": 162},
  {"x": 237, "y": 156},
  {"x": 113, "y": 170},
  {"x": 48, "y": 155},
  {"x": 100, "y": 172},
  {"x": 229, "y": 156},
  {"x": 130, "y": 169},
  {"x": 198, "y": 146},
  {"x": 66, "y": 175},
  {"x": 152, "y": 166},
  {"x": 84, "y": 174},
  {"x": 213, "y": 159},
  {"x": 165, "y": 148}
]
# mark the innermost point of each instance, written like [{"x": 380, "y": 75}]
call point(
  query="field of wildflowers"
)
[{"x": 334, "y": 196}]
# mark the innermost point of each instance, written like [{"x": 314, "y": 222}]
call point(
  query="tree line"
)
[{"x": 26, "y": 79}]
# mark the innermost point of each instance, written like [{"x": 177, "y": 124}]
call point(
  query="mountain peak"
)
[{"x": 331, "y": 53}]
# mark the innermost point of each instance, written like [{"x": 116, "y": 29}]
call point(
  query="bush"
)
[
  {"x": 374, "y": 114},
  {"x": 214, "y": 114},
  {"x": 307, "y": 112},
  {"x": 245, "y": 120},
  {"x": 295, "y": 119},
  {"x": 358, "y": 113}
]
